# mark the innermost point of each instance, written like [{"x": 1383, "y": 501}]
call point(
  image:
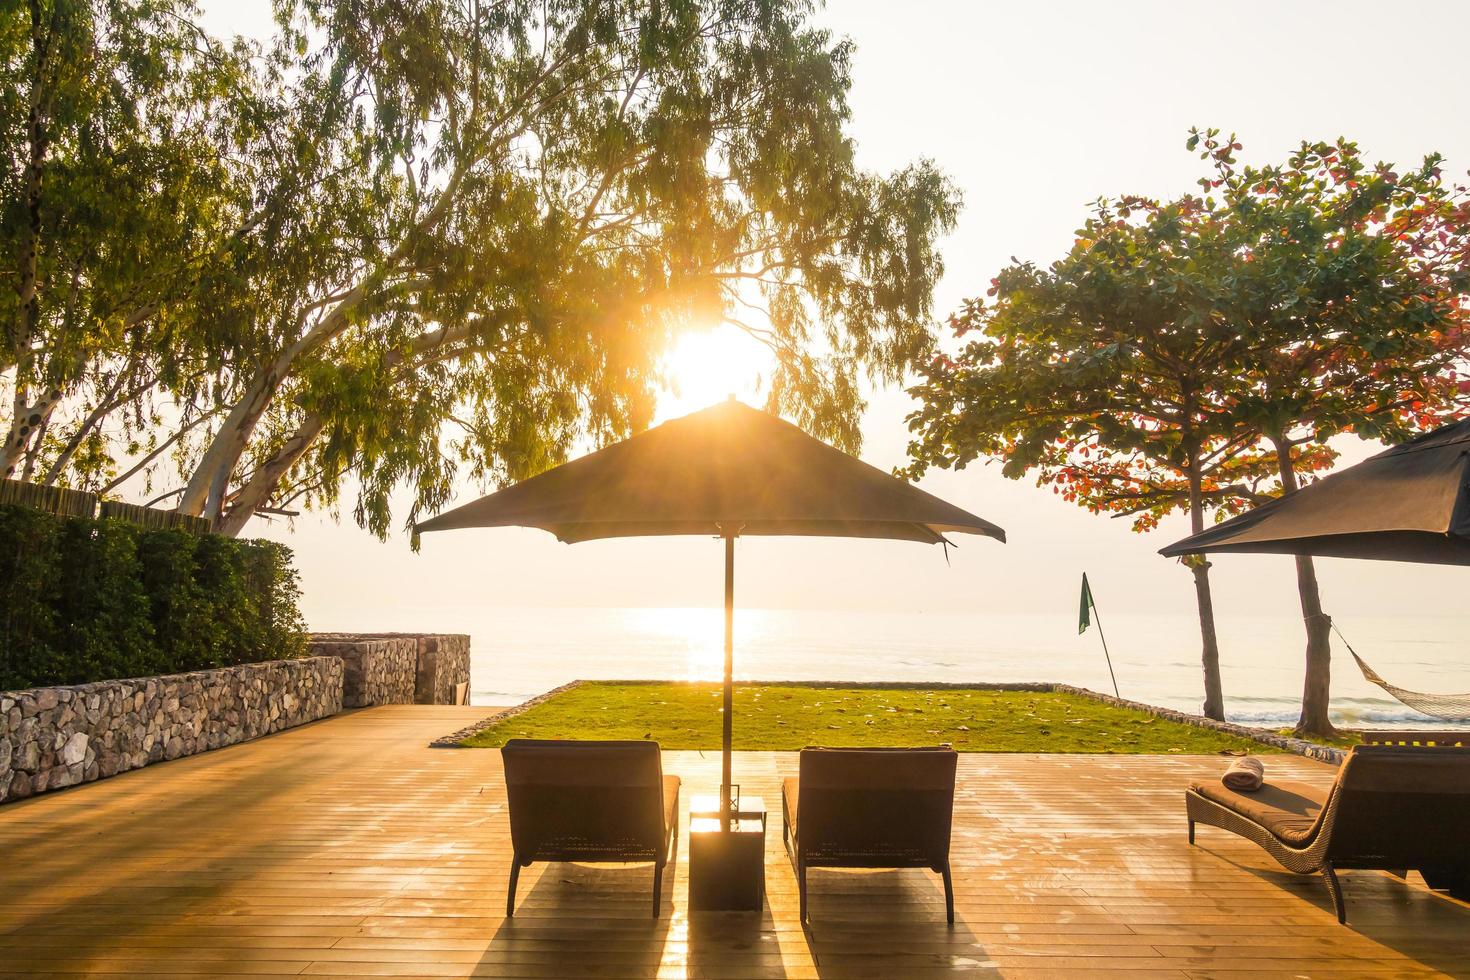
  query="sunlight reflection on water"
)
[{"x": 519, "y": 653}]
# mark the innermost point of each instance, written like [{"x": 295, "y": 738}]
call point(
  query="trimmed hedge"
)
[{"x": 86, "y": 600}]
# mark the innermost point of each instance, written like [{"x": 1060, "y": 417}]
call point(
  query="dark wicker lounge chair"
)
[
  {"x": 589, "y": 801},
  {"x": 1391, "y": 809},
  {"x": 870, "y": 808}
]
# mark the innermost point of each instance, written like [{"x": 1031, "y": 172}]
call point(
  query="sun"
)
[{"x": 708, "y": 365}]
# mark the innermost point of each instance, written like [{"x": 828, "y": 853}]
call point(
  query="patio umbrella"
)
[
  {"x": 726, "y": 471},
  {"x": 1408, "y": 503}
]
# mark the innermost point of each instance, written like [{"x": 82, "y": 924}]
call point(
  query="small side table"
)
[{"x": 727, "y": 868}]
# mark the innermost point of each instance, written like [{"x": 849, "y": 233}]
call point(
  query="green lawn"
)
[{"x": 781, "y": 717}]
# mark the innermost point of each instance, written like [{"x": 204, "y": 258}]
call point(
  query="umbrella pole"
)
[{"x": 725, "y": 781}]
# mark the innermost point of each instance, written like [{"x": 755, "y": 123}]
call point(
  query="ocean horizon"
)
[{"x": 519, "y": 653}]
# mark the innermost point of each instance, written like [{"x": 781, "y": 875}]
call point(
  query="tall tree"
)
[
  {"x": 1202, "y": 352},
  {"x": 453, "y": 236},
  {"x": 115, "y": 201},
  {"x": 1097, "y": 373},
  {"x": 520, "y": 205},
  {"x": 1351, "y": 282}
]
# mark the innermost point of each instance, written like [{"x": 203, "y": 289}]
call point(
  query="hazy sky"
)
[{"x": 1034, "y": 109}]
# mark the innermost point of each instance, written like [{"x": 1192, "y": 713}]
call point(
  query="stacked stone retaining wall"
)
[
  {"x": 399, "y": 668},
  {"x": 444, "y": 669},
  {"x": 53, "y": 737},
  {"x": 375, "y": 670}
]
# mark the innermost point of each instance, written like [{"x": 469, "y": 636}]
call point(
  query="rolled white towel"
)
[{"x": 1245, "y": 775}]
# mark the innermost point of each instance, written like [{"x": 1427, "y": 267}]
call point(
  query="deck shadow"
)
[
  {"x": 886, "y": 923},
  {"x": 582, "y": 920},
  {"x": 1429, "y": 916},
  {"x": 139, "y": 907}
]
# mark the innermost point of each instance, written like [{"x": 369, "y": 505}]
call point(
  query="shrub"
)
[
  {"x": 30, "y": 588},
  {"x": 104, "y": 625},
  {"x": 84, "y": 600}
]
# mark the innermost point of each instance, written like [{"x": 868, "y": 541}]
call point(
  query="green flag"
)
[
  {"x": 1084, "y": 613},
  {"x": 1086, "y": 609}
]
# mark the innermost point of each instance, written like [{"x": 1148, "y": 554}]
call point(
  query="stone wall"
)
[
  {"x": 444, "y": 665},
  {"x": 375, "y": 669},
  {"x": 1322, "y": 753},
  {"x": 399, "y": 668},
  {"x": 53, "y": 737}
]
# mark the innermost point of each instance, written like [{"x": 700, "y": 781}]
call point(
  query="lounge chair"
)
[
  {"x": 589, "y": 801},
  {"x": 1391, "y": 808},
  {"x": 870, "y": 808}
]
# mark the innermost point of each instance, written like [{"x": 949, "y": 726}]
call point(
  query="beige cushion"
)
[
  {"x": 789, "y": 793},
  {"x": 1288, "y": 810}
]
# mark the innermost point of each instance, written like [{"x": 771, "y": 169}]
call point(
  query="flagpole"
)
[{"x": 1103, "y": 636}]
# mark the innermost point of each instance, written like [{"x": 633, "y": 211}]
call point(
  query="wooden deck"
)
[{"x": 349, "y": 848}]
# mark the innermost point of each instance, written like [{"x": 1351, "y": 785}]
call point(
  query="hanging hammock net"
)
[{"x": 1450, "y": 707}]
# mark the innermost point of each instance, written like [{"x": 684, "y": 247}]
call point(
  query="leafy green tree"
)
[
  {"x": 1096, "y": 374},
  {"x": 1352, "y": 284},
  {"x": 1198, "y": 354},
  {"x": 498, "y": 217},
  {"x": 415, "y": 240},
  {"x": 120, "y": 194}
]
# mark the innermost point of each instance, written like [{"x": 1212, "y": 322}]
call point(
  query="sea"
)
[{"x": 522, "y": 652}]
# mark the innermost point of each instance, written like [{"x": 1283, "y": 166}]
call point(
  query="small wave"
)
[
  {"x": 1351, "y": 719},
  {"x": 1267, "y": 700}
]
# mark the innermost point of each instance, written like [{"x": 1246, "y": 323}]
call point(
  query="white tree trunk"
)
[
  {"x": 28, "y": 419},
  {"x": 257, "y": 492}
]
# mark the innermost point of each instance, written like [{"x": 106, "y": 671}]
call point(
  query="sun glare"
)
[
  {"x": 706, "y": 366},
  {"x": 695, "y": 635}
]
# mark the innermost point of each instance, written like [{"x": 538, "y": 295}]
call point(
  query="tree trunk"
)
[
  {"x": 1316, "y": 694},
  {"x": 38, "y": 142},
  {"x": 207, "y": 487},
  {"x": 1316, "y": 686},
  {"x": 229, "y": 443},
  {"x": 33, "y": 452},
  {"x": 28, "y": 419},
  {"x": 256, "y": 493},
  {"x": 204, "y": 494},
  {"x": 1214, "y": 706},
  {"x": 258, "y": 490}
]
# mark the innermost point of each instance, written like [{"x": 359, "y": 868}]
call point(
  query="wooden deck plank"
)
[{"x": 349, "y": 848}]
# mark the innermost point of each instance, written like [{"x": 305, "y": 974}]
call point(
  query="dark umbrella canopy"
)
[
  {"x": 727, "y": 471},
  {"x": 728, "y": 468},
  {"x": 1408, "y": 503}
]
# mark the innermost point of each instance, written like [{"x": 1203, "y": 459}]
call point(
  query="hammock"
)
[{"x": 1450, "y": 707}]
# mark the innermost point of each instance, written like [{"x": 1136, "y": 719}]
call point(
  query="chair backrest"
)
[
  {"x": 1403, "y": 807},
  {"x": 878, "y": 804},
  {"x": 590, "y": 796},
  {"x": 1416, "y": 737}
]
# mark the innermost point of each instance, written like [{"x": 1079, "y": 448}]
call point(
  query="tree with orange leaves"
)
[
  {"x": 1350, "y": 285},
  {"x": 1199, "y": 354}
]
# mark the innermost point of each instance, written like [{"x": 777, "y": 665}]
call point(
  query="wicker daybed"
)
[{"x": 1391, "y": 808}]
